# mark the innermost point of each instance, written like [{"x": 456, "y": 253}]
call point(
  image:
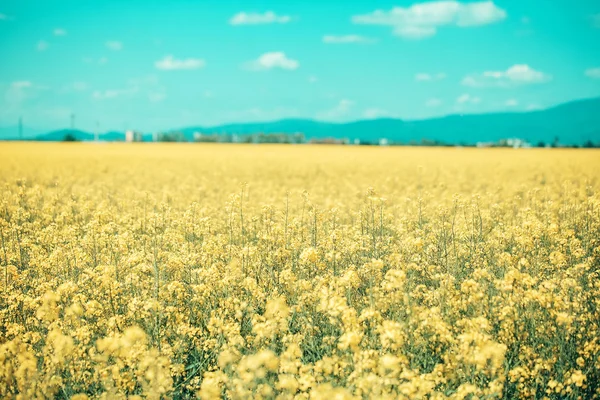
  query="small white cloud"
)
[
  {"x": 433, "y": 102},
  {"x": 593, "y": 73},
  {"x": 4, "y": 17},
  {"x": 533, "y": 107},
  {"x": 269, "y": 17},
  {"x": 341, "y": 110},
  {"x": 19, "y": 91},
  {"x": 146, "y": 80},
  {"x": 208, "y": 94},
  {"x": 374, "y": 113},
  {"x": 276, "y": 59},
  {"x": 156, "y": 97},
  {"x": 42, "y": 45},
  {"x": 59, "y": 32},
  {"x": 105, "y": 94},
  {"x": 21, "y": 84},
  {"x": 313, "y": 79},
  {"x": 425, "y": 77},
  {"x": 170, "y": 63},
  {"x": 595, "y": 20},
  {"x": 79, "y": 86},
  {"x": 114, "y": 45},
  {"x": 518, "y": 74},
  {"x": 345, "y": 39},
  {"x": 468, "y": 99},
  {"x": 422, "y": 20},
  {"x": 90, "y": 60},
  {"x": 511, "y": 103},
  {"x": 525, "y": 20},
  {"x": 112, "y": 93}
]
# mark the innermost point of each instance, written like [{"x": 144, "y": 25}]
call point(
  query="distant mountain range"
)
[{"x": 572, "y": 123}]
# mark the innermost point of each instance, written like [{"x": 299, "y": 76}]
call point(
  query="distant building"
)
[
  {"x": 328, "y": 141},
  {"x": 133, "y": 136},
  {"x": 517, "y": 143}
]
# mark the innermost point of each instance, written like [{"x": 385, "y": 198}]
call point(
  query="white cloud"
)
[
  {"x": 374, "y": 113},
  {"x": 269, "y": 17},
  {"x": 147, "y": 85},
  {"x": 156, "y": 97},
  {"x": 525, "y": 20},
  {"x": 341, "y": 110},
  {"x": 593, "y": 73},
  {"x": 4, "y": 17},
  {"x": 511, "y": 103},
  {"x": 313, "y": 79},
  {"x": 146, "y": 80},
  {"x": 422, "y": 20},
  {"x": 59, "y": 32},
  {"x": 21, "y": 84},
  {"x": 105, "y": 94},
  {"x": 344, "y": 39},
  {"x": 79, "y": 86},
  {"x": 113, "y": 93},
  {"x": 18, "y": 91},
  {"x": 595, "y": 20},
  {"x": 170, "y": 63},
  {"x": 425, "y": 77},
  {"x": 76, "y": 86},
  {"x": 42, "y": 45},
  {"x": 433, "y": 102},
  {"x": 534, "y": 107},
  {"x": 518, "y": 74},
  {"x": 276, "y": 59},
  {"x": 90, "y": 60},
  {"x": 114, "y": 45},
  {"x": 16, "y": 96},
  {"x": 468, "y": 99}
]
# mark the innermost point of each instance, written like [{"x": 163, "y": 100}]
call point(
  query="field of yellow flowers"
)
[{"x": 311, "y": 272}]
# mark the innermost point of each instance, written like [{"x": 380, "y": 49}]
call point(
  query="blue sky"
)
[{"x": 153, "y": 65}]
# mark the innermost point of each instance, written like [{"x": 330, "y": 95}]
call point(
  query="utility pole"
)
[{"x": 20, "y": 128}]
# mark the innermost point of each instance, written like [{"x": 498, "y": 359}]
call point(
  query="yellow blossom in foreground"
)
[{"x": 298, "y": 272}]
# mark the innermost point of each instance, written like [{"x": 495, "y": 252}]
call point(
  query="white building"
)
[{"x": 133, "y": 136}]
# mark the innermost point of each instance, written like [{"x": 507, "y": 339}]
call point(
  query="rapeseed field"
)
[{"x": 157, "y": 271}]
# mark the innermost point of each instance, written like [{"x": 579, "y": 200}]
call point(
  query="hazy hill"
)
[
  {"x": 59, "y": 135},
  {"x": 572, "y": 123}
]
